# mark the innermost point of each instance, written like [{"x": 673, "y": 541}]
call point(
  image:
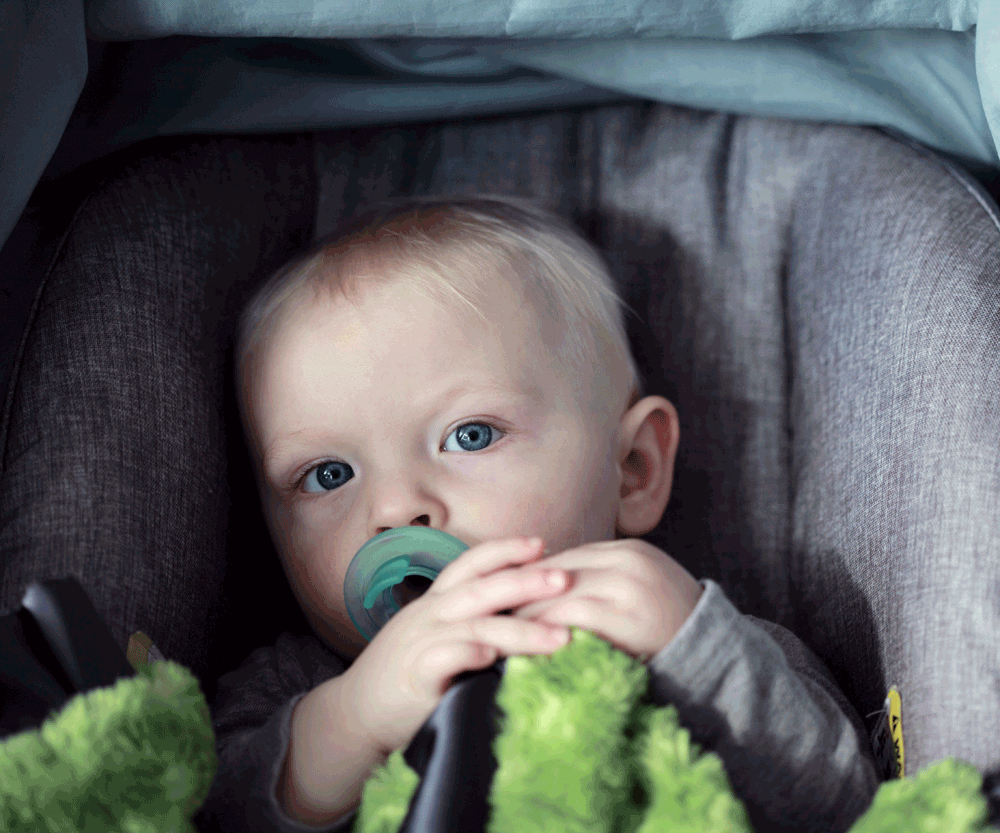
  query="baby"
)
[{"x": 463, "y": 365}]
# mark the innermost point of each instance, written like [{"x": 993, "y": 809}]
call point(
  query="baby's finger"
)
[
  {"x": 486, "y": 558},
  {"x": 476, "y": 643},
  {"x": 444, "y": 661},
  {"x": 596, "y": 615},
  {"x": 536, "y": 609},
  {"x": 624, "y": 632},
  {"x": 512, "y": 637},
  {"x": 501, "y": 591},
  {"x": 607, "y": 585},
  {"x": 589, "y": 556},
  {"x": 584, "y": 612}
]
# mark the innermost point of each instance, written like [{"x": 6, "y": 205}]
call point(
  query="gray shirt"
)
[{"x": 795, "y": 750}]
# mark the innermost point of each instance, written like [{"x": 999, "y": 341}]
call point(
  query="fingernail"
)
[
  {"x": 555, "y": 578},
  {"x": 533, "y": 543}
]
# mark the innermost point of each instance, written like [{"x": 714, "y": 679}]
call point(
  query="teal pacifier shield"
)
[{"x": 385, "y": 561}]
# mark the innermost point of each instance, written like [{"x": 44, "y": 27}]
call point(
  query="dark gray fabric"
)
[
  {"x": 117, "y": 430},
  {"x": 252, "y": 717},
  {"x": 43, "y": 65}
]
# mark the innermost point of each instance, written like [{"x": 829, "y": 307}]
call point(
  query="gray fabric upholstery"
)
[
  {"x": 894, "y": 333},
  {"x": 821, "y": 303},
  {"x": 115, "y": 437}
]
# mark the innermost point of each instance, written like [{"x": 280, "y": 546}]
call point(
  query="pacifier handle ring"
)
[
  {"x": 386, "y": 577},
  {"x": 386, "y": 560}
]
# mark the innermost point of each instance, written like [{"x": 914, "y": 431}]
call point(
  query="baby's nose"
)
[{"x": 420, "y": 520}]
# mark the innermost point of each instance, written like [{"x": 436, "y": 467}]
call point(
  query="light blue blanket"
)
[{"x": 927, "y": 68}]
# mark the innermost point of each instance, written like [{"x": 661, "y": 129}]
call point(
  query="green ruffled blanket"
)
[{"x": 579, "y": 750}]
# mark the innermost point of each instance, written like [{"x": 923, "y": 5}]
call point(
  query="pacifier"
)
[{"x": 384, "y": 562}]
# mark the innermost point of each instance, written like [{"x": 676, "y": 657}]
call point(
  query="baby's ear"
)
[{"x": 649, "y": 433}]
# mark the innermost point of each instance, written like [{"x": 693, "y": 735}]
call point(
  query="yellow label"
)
[
  {"x": 138, "y": 649},
  {"x": 896, "y": 729},
  {"x": 141, "y": 650}
]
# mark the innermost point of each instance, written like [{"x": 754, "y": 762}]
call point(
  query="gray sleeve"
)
[
  {"x": 794, "y": 748},
  {"x": 252, "y": 717}
]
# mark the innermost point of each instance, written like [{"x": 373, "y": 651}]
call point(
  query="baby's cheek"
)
[
  {"x": 315, "y": 570},
  {"x": 553, "y": 498},
  {"x": 483, "y": 517},
  {"x": 557, "y": 522},
  {"x": 496, "y": 520}
]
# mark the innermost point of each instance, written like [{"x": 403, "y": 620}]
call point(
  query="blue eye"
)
[
  {"x": 327, "y": 476},
  {"x": 473, "y": 436}
]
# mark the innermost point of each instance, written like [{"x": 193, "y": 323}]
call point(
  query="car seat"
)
[{"x": 821, "y": 303}]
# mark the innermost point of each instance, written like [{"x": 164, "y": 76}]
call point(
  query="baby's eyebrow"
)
[{"x": 273, "y": 463}]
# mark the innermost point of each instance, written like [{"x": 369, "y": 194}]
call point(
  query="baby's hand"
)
[
  {"x": 399, "y": 678},
  {"x": 627, "y": 591}
]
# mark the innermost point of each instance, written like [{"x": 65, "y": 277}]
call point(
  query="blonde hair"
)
[{"x": 441, "y": 246}]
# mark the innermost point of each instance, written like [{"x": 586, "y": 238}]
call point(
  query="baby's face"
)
[{"x": 396, "y": 411}]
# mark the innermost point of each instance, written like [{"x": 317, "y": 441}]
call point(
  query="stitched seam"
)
[{"x": 964, "y": 178}]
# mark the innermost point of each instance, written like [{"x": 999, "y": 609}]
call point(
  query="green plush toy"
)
[
  {"x": 139, "y": 757},
  {"x": 578, "y": 750},
  {"x": 135, "y": 757}
]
